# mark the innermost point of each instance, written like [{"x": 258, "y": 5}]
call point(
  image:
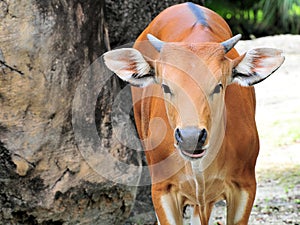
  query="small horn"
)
[
  {"x": 157, "y": 44},
  {"x": 230, "y": 43}
]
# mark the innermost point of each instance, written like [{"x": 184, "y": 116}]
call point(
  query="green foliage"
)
[
  {"x": 282, "y": 15},
  {"x": 259, "y": 17}
]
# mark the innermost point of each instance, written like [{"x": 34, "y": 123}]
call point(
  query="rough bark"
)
[{"x": 44, "y": 179}]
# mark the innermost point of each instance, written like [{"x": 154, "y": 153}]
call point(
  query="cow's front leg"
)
[
  {"x": 168, "y": 206},
  {"x": 239, "y": 204}
]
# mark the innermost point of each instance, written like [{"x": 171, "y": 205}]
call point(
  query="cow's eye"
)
[
  {"x": 166, "y": 89},
  {"x": 218, "y": 88}
]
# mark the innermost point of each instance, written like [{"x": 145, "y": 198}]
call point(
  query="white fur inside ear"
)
[
  {"x": 257, "y": 65},
  {"x": 130, "y": 65},
  {"x": 246, "y": 65}
]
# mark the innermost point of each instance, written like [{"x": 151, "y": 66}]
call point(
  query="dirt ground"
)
[{"x": 278, "y": 120}]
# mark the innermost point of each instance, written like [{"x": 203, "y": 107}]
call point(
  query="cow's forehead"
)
[
  {"x": 200, "y": 63},
  {"x": 203, "y": 50}
]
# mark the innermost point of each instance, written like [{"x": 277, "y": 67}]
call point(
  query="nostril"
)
[
  {"x": 178, "y": 136},
  {"x": 202, "y": 137},
  {"x": 190, "y": 138}
]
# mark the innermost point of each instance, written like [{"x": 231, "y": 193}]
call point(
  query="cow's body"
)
[{"x": 230, "y": 173}]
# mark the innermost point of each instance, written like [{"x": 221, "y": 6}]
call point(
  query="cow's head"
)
[{"x": 193, "y": 78}]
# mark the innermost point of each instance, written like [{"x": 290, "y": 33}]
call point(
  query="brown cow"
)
[{"x": 194, "y": 109}]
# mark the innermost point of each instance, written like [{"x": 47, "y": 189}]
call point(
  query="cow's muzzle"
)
[{"x": 190, "y": 141}]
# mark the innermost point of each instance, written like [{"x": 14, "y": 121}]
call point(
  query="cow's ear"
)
[
  {"x": 130, "y": 65},
  {"x": 256, "y": 65}
]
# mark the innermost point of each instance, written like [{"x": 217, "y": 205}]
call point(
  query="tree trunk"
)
[{"x": 45, "y": 178}]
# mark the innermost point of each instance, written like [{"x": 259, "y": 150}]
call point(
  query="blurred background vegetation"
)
[
  {"x": 256, "y": 18},
  {"x": 126, "y": 19}
]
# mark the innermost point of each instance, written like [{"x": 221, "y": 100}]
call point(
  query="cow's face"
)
[{"x": 193, "y": 79}]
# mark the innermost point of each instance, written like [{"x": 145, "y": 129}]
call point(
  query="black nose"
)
[{"x": 190, "y": 138}]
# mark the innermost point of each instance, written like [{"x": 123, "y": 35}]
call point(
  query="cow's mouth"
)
[{"x": 194, "y": 154}]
